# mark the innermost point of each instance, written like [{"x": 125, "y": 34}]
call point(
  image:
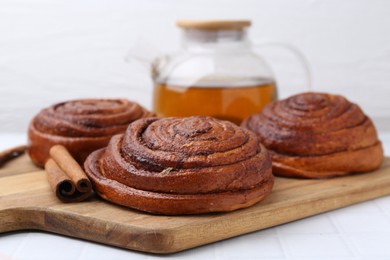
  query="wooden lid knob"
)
[{"x": 214, "y": 24}]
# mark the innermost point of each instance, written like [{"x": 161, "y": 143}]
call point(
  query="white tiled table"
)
[{"x": 360, "y": 231}]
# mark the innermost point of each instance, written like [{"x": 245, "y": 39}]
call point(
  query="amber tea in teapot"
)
[{"x": 232, "y": 102}]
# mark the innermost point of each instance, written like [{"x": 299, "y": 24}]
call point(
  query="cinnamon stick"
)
[
  {"x": 67, "y": 179},
  {"x": 11, "y": 153}
]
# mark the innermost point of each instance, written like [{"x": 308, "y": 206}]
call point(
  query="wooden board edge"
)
[{"x": 88, "y": 228}]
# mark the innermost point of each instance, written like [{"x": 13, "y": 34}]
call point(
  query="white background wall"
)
[{"x": 53, "y": 50}]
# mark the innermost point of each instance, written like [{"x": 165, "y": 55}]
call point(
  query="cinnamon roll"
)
[
  {"x": 317, "y": 135},
  {"x": 182, "y": 166},
  {"x": 82, "y": 126}
]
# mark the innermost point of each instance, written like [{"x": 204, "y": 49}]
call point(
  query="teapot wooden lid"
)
[{"x": 214, "y": 24}]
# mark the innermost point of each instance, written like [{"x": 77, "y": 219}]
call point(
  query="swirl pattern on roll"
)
[
  {"x": 317, "y": 135},
  {"x": 182, "y": 166},
  {"x": 82, "y": 126}
]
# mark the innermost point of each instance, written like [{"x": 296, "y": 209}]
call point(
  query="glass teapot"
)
[{"x": 216, "y": 73}]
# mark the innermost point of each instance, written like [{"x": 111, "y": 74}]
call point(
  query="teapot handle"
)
[{"x": 297, "y": 53}]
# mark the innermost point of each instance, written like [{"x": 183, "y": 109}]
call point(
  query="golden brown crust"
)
[
  {"x": 317, "y": 135},
  {"x": 82, "y": 126},
  {"x": 182, "y": 166}
]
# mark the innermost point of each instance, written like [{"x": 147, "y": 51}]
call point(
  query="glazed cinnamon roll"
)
[
  {"x": 182, "y": 166},
  {"x": 317, "y": 135},
  {"x": 82, "y": 126}
]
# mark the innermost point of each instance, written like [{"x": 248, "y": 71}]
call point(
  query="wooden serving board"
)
[{"x": 26, "y": 202}]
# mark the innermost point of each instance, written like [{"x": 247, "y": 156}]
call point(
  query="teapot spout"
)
[{"x": 146, "y": 55}]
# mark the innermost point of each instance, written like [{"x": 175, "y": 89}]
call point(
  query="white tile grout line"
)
[
  {"x": 353, "y": 254},
  {"x": 215, "y": 251},
  {"x": 384, "y": 212},
  {"x": 343, "y": 236},
  {"x": 82, "y": 251},
  {"x": 22, "y": 242},
  {"x": 286, "y": 252}
]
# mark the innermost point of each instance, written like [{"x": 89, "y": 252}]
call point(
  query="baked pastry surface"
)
[
  {"x": 182, "y": 166},
  {"x": 317, "y": 135},
  {"x": 82, "y": 126}
]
